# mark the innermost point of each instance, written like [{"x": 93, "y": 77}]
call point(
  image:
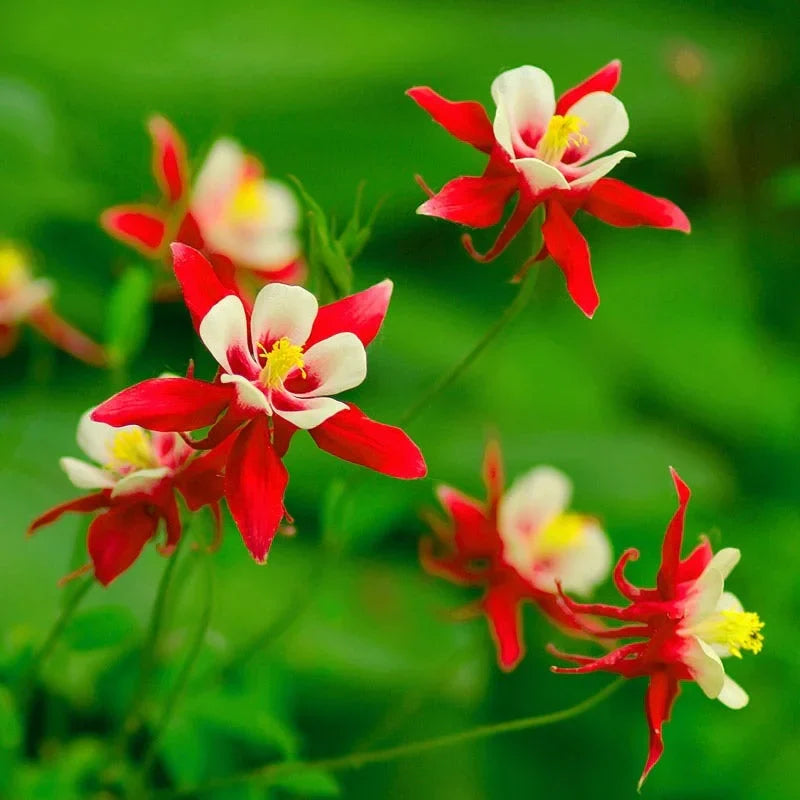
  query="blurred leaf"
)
[
  {"x": 784, "y": 188},
  {"x": 10, "y": 727},
  {"x": 128, "y": 320},
  {"x": 309, "y": 783},
  {"x": 100, "y": 627}
]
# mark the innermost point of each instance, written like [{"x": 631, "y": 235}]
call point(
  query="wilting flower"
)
[
  {"x": 134, "y": 480},
  {"x": 279, "y": 366},
  {"x": 518, "y": 545},
  {"x": 545, "y": 151},
  {"x": 685, "y": 626},
  {"x": 245, "y": 222},
  {"x": 24, "y": 299}
]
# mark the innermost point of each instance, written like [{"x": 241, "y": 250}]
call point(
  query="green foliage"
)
[
  {"x": 97, "y": 628},
  {"x": 128, "y": 320},
  {"x": 308, "y": 783}
]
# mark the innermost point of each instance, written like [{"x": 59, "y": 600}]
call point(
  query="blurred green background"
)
[{"x": 691, "y": 360}]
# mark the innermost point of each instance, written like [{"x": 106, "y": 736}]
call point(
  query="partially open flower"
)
[
  {"x": 518, "y": 545},
  {"x": 279, "y": 366},
  {"x": 134, "y": 479},
  {"x": 545, "y": 151},
  {"x": 683, "y": 627},
  {"x": 26, "y": 300}
]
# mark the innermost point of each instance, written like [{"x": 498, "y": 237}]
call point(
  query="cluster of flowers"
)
[{"x": 282, "y": 358}]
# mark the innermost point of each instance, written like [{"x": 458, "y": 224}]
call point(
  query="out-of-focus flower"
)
[
  {"x": 518, "y": 545},
  {"x": 26, "y": 300},
  {"x": 244, "y": 222},
  {"x": 545, "y": 151},
  {"x": 279, "y": 366},
  {"x": 134, "y": 479},
  {"x": 685, "y": 626}
]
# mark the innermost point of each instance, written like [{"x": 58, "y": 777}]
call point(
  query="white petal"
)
[
  {"x": 314, "y": 412},
  {"x": 704, "y": 597},
  {"x": 142, "y": 480},
  {"x": 729, "y": 602},
  {"x": 583, "y": 566},
  {"x": 283, "y": 212},
  {"x": 269, "y": 249},
  {"x": 725, "y": 560},
  {"x": 732, "y": 695},
  {"x": 281, "y": 311},
  {"x": 602, "y": 166},
  {"x": 96, "y": 438},
  {"x": 248, "y": 395},
  {"x": 340, "y": 362},
  {"x": 525, "y": 101},
  {"x": 606, "y": 122},
  {"x": 540, "y": 175},
  {"x": 224, "y": 328},
  {"x": 23, "y": 300},
  {"x": 217, "y": 181},
  {"x": 86, "y": 476},
  {"x": 705, "y": 666}
]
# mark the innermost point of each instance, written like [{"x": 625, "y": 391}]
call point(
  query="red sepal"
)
[
  {"x": 81, "y": 505},
  {"x": 199, "y": 283},
  {"x": 604, "y": 80},
  {"x": 661, "y": 693},
  {"x": 466, "y": 120},
  {"x": 522, "y": 212},
  {"x": 475, "y": 201},
  {"x": 169, "y": 158},
  {"x": 673, "y": 541},
  {"x": 493, "y": 477},
  {"x": 502, "y": 608},
  {"x": 140, "y": 226}
]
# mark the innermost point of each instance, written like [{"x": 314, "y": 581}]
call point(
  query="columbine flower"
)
[
  {"x": 545, "y": 151},
  {"x": 518, "y": 544},
  {"x": 685, "y": 626},
  {"x": 24, "y": 299},
  {"x": 240, "y": 218},
  {"x": 135, "y": 476},
  {"x": 279, "y": 367}
]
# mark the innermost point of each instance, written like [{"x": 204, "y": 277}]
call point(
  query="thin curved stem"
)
[
  {"x": 356, "y": 760},
  {"x": 521, "y": 299}
]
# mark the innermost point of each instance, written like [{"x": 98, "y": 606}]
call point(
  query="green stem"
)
[
  {"x": 521, "y": 299},
  {"x": 182, "y": 680},
  {"x": 356, "y": 760},
  {"x": 68, "y": 611}
]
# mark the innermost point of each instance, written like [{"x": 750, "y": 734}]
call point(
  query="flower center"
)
[
  {"x": 561, "y": 533},
  {"x": 562, "y": 131},
  {"x": 736, "y": 630},
  {"x": 280, "y": 361},
  {"x": 248, "y": 203},
  {"x": 13, "y": 271},
  {"x": 133, "y": 448}
]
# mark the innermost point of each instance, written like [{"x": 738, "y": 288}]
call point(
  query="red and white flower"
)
[
  {"x": 279, "y": 366},
  {"x": 545, "y": 150},
  {"x": 684, "y": 627},
  {"x": 245, "y": 222},
  {"x": 519, "y": 545},
  {"x": 134, "y": 479},
  {"x": 26, "y": 300}
]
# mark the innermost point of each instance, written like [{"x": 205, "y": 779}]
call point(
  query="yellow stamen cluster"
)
[
  {"x": 13, "y": 267},
  {"x": 561, "y": 533},
  {"x": 562, "y": 131},
  {"x": 280, "y": 361},
  {"x": 248, "y": 203},
  {"x": 738, "y": 630},
  {"x": 133, "y": 448}
]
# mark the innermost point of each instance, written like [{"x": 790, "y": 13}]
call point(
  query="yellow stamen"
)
[
  {"x": 561, "y": 533},
  {"x": 248, "y": 203},
  {"x": 562, "y": 131},
  {"x": 736, "y": 630},
  {"x": 280, "y": 361},
  {"x": 13, "y": 267},
  {"x": 133, "y": 448}
]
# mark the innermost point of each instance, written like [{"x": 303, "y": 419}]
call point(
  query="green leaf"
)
[
  {"x": 128, "y": 321},
  {"x": 10, "y": 727},
  {"x": 97, "y": 628},
  {"x": 309, "y": 783}
]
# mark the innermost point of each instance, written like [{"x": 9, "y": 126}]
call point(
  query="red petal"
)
[
  {"x": 166, "y": 404},
  {"x": 673, "y": 540},
  {"x": 524, "y": 208},
  {"x": 571, "y": 252},
  {"x": 117, "y": 537},
  {"x": 474, "y": 533},
  {"x": 658, "y": 702},
  {"x": 353, "y": 436},
  {"x": 604, "y": 80},
  {"x": 255, "y": 482},
  {"x": 140, "y": 226},
  {"x": 361, "y": 313},
  {"x": 475, "y": 201},
  {"x": 466, "y": 120},
  {"x": 169, "y": 158},
  {"x": 202, "y": 481},
  {"x": 189, "y": 232},
  {"x": 493, "y": 478},
  {"x": 618, "y": 204},
  {"x": 199, "y": 283},
  {"x": 169, "y": 511},
  {"x": 693, "y": 565},
  {"x": 282, "y": 432},
  {"x": 502, "y": 608},
  {"x": 81, "y": 505}
]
